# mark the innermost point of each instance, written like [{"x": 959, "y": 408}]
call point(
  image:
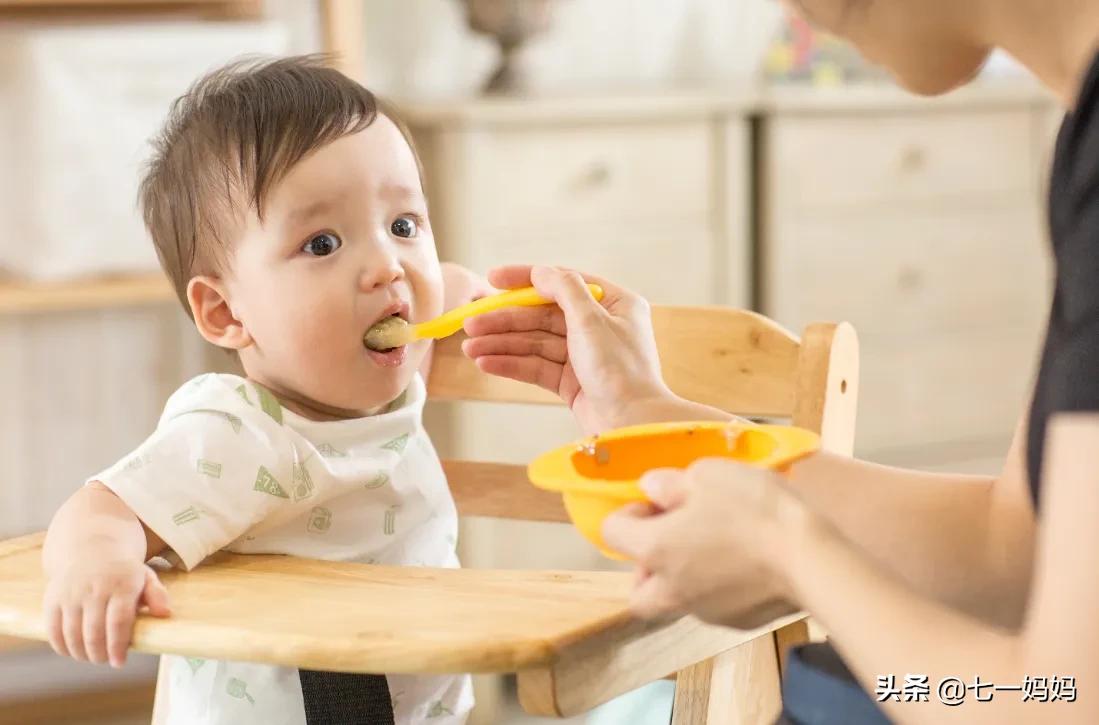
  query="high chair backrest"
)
[{"x": 736, "y": 360}]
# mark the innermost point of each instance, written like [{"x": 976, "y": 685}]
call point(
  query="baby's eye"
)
[
  {"x": 404, "y": 226},
  {"x": 321, "y": 245}
]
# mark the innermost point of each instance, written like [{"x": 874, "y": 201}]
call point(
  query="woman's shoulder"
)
[
  {"x": 1074, "y": 203},
  {"x": 1076, "y": 155}
]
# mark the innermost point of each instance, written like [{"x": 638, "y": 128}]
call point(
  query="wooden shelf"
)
[
  {"x": 35, "y": 297},
  {"x": 212, "y": 9}
]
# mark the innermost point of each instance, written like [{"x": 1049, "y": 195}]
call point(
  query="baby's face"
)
[{"x": 345, "y": 241}]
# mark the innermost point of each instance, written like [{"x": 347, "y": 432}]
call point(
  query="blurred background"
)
[{"x": 698, "y": 151}]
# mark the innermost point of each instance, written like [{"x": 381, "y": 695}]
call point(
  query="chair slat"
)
[
  {"x": 735, "y": 360},
  {"x": 501, "y": 490}
]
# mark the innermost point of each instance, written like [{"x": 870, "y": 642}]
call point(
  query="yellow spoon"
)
[{"x": 394, "y": 332}]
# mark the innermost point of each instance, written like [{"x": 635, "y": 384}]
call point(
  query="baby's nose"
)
[{"x": 381, "y": 273}]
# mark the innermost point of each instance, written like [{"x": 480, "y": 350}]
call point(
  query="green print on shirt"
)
[
  {"x": 320, "y": 520},
  {"x": 238, "y": 689},
  {"x": 328, "y": 451},
  {"x": 195, "y": 663},
  {"x": 389, "y": 524},
  {"x": 398, "y": 444},
  {"x": 438, "y": 709},
  {"x": 303, "y": 482},
  {"x": 269, "y": 404},
  {"x": 243, "y": 391},
  {"x": 266, "y": 483},
  {"x": 233, "y": 421},
  {"x": 377, "y": 482},
  {"x": 186, "y": 516},
  {"x": 209, "y": 468}
]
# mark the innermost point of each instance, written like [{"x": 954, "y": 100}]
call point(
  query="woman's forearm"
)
[
  {"x": 968, "y": 541},
  {"x": 957, "y": 538},
  {"x": 886, "y": 629}
]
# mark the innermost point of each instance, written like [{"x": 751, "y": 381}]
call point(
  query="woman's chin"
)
[{"x": 946, "y": 77}]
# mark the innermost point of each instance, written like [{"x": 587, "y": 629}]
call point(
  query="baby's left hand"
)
[{"x": 461, "y": 286}]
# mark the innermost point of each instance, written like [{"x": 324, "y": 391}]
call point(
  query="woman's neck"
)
[{"x": 1056, "y": 39}]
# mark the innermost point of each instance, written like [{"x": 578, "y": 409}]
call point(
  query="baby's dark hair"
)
[{"x": 228, "y": 140}]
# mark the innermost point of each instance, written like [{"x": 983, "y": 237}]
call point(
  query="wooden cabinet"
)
[
  {"x": 877, "y": 159},
  {"x": 920, "y": 221},
  {"x": 923, "y": 224},
  {"x": 621, "y": 187}
]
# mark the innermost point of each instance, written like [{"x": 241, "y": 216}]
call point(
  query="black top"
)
[{"x": 1068, "y": 379}]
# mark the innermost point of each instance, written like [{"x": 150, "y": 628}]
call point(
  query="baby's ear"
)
[{"x": 214, "y": 317}]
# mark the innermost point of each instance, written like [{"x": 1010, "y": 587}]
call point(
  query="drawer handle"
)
[
  {"x": 910, "y": 279},
  {"x": 598, "y": 174},
  {"x": 913, "y": 159}
]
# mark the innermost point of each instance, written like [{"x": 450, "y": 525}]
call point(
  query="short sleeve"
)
[{"x": 204, "y": 478}]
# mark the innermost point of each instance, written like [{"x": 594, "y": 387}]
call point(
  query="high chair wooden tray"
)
[
  {"x": 568, "y": 635},
  {"x": 556, "y": 628}
]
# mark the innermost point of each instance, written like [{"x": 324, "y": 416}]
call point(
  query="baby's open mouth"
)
[
  {"x": 387, "y": 334},
  {"x": 387, "y": 339}
]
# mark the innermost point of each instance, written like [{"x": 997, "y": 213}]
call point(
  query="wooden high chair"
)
[{"x": 569, "y": 636}]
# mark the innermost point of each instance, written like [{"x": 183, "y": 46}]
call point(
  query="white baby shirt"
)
[{"x": 229, "y": 468}]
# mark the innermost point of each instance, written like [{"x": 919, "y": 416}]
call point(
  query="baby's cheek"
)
[
  {"x": 430, "y": 294},
  {"x": 315, "y": 329}
]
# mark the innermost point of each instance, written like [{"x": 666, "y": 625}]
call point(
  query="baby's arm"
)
[
  {"x": 94, "y": 560},
  {"x": 460, "y": 286}
]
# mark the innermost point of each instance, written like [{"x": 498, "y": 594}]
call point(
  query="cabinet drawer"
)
[
  {"x": 913, "y": 273},
  {"x": 673, "y": 263},
  {"x": 824, "y": 162},
  {"x": 919, "y": 390},
  {"x": 564, "y": 176}
]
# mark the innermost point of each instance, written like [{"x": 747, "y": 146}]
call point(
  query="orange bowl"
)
[{"x": 599, "y": 475}]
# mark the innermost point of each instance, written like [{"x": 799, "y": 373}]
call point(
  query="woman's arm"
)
[
  {"x": 967, "y": 541},
  {"x": 729, "y": 541},
  {"x": 883, "y": 627}
]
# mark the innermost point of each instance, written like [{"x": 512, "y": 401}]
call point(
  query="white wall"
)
[{"x": 418, "y": 47}]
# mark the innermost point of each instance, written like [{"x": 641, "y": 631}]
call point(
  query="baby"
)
[{"x": 287, "y": 207}]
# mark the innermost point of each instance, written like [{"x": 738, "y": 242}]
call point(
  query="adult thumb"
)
[{"x": 665, "y": 487}]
